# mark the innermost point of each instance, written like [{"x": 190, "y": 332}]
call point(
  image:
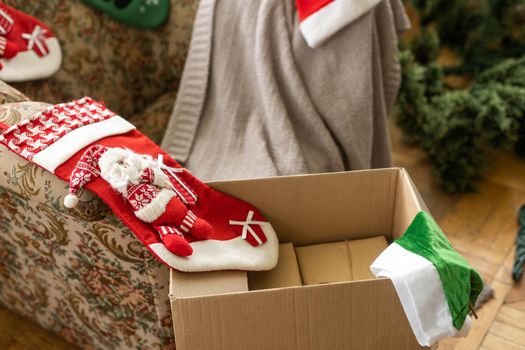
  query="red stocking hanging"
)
[{"x": 184, "y": 222}]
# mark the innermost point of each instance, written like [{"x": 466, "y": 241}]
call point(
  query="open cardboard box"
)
[{"x": 305, "y": 210}]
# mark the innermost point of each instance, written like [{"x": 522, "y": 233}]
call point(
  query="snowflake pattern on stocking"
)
[{"x": 141, "y": 195}]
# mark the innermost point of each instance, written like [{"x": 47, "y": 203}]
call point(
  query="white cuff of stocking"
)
[
  {"x": 27, "y": 65},
  {"x": 216, "y": 255},
  {"x": 53, "y": 156},
  {"x": 421, "y": 293}
]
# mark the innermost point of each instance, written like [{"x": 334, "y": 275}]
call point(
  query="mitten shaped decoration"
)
[
  {"x": 28, "y": 48},
  {"x": 147, "y": 188},
  {"x": 185, "y": 223},
  {"x": 147, "y": 14}
]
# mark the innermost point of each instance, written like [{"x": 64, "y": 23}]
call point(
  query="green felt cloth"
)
[
  {"x": 461, "y": 283},
  {"x": 138, "y": 13}
]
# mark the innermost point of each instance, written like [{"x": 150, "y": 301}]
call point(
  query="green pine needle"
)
[{"x": 455, "y": 127}]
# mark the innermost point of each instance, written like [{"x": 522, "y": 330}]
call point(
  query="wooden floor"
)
[{"x": 482, "y": 226}]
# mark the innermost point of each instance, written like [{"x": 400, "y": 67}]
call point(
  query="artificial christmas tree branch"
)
[{"x": 456, "y": 126}]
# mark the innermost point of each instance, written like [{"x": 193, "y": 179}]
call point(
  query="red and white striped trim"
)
[
  {"x": 188, "y": 222},
  {"x": 167, "y": 230},
  {"x": 185, "y": 194},
  {"x": 3, "y": 44},
  {"x": 6, "y": 22}
]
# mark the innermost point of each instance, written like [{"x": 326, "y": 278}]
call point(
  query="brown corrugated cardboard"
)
[
  {"x": 340, "y": 261},
  {"x": 363, "y": 252},
  {"x": 324, "y": 263},
  {"x": 408, "y": 200},
  {"x": 305, "y": 210},
  {"x": 285, "y": 274},
  {"x": 186, "y": 284},
  {"x": 350, "y": 315}
]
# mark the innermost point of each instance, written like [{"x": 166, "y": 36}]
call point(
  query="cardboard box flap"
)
[
  {"x": 360, "y": 315},
  {"x": 190, "y": 284},
  {"x": 318, "y": 208},
  {"x": 408, "y": 203},
  {"x": 285, "y": 274},
  {"x": 324, "y": 263},
  {"x": 363, "y": 252}
]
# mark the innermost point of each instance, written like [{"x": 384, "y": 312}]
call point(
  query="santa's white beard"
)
[
  {"x": 121, "y": 168},
  {"x": 120, "y": 177}
]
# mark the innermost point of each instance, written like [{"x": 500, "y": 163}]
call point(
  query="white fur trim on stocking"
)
[
  {"x": 321, "y": 25},
  {"x": 61, "y": 150},
  {"x": 27, "y": 65},
  {"x": 421, "y": 293},
  {"x": 156, "y": 207},
  {"x": 233, "y": 254}
]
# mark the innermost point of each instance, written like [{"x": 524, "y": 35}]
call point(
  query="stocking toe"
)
[
  {"x": 177, "y": 244},
  {"x": 11, "y": 50},
  {"x": 201, "y": 229}
]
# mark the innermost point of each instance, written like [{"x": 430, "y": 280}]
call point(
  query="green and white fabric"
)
[{"x": 435, "y": 284}]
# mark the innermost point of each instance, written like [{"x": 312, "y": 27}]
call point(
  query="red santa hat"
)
[
  {"x": 320, "y": 19},
  {"x": 28, "y": 48},
  {"x": 86, "y": 170}
]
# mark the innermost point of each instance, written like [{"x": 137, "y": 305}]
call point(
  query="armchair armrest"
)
[
  {"x": 9, "y": 94},
  {"x": 80, "y": 273}
]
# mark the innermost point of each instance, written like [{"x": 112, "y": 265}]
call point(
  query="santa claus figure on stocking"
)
[
  {"x": 156, "y": 195},
  {"x": 185, "y": 223}
]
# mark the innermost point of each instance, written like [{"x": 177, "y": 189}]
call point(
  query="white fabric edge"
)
[
  {"x": 215, "y": 255},
  {"x": 409, "y": 306},
  {"x": 321, "y": 25},
  {"x": 27, "y": 65},
  {"x": 156, "y": 207},
  {"x": 60, "y": 151},
  {"x": 429, "y": 322}
]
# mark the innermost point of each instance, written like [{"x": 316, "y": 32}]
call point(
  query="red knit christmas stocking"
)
[{"x": 184, "y": 222}]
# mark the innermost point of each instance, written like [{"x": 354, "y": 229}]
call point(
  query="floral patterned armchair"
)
[{"x": 81, "y": 273}]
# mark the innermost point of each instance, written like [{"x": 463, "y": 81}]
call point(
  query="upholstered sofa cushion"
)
[{"x": 127, "y": 67}]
